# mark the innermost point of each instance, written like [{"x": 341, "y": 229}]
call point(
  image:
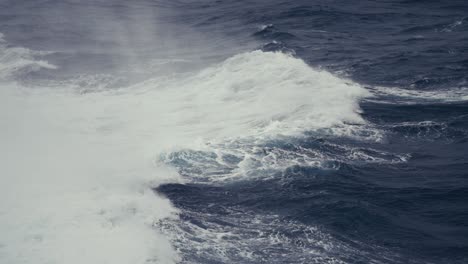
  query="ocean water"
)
[{"x": 248, "y": 131}]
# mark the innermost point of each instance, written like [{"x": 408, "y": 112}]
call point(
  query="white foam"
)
[
  {"x": 260, "y": 93},
  {"x": 453, "y": 25},
  {"x": 16, "y": 59},
  {"x": 74, "y": 191},
  {"x": 240, "y": 236},
  {"x": 75, "y": 181},
  {"x": 400, "y": 95},
  {"x": 77, "y": 169}
]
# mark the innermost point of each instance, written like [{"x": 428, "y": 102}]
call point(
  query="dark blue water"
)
[
  {"x": 400, "y": 199},
  {"x": 415, "y": 211}
]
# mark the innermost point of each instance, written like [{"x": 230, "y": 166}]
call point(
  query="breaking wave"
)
[{"x": 78, "y": 169}]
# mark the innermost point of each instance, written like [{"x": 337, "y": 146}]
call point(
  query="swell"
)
[
  {"x": 264, "y": 158},
  {"x": 79, "y": 169}
]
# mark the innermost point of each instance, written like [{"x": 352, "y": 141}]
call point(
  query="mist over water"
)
[{"x": 232, "y": 132}]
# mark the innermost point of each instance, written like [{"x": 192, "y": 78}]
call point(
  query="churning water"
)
[{"x": 233, "y": 131}]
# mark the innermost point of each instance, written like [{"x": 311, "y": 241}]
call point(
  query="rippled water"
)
[{"x": 233, "y": 131}]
